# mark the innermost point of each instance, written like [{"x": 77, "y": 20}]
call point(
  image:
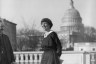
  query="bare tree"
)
[{"x": 90, "y": 34}]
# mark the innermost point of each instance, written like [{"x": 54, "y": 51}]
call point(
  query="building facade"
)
[
  {"x": 10, "y": 31},
  {"x": 85, "y": 46},
  {"x": 72, "y": 28}
]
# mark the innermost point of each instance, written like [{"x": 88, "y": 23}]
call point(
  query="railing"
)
[
  {"x": 28, "y": 57},
  {"x": 68, "y": 57}
]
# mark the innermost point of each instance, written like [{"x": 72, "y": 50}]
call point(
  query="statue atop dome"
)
[{"x": 72, "y": 3}]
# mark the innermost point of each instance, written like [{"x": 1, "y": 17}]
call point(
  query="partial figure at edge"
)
[{"x": 6, "y": 52}]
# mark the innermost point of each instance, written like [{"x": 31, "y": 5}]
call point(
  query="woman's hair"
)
[{"x": 48, "y": 21}]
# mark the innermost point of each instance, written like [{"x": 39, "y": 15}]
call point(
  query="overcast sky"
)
[{"x": 26, "y": 12}]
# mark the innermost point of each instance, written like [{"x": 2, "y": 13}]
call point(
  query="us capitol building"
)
[{"x": 72, "y": 28}]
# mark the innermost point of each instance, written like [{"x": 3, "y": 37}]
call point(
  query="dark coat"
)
[
  {"x": 52, "y": 49},
  {"x": 8, "y": 52}
]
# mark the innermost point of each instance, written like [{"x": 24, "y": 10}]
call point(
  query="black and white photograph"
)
[{"x": 47, "y": 31}]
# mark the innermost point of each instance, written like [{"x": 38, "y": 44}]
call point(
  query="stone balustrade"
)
[
  {"x": 28, "y": 57},
  {"x": 67, "y": 57}
]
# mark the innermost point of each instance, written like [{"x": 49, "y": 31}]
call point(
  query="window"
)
[
  {"x": 81, "y": 49},
  {"x": 93, "y": 49}
]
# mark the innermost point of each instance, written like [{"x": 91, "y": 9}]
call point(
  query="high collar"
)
[{"x": 47, "y": 33}]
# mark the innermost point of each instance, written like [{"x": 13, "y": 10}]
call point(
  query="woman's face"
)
[{"x": 45, "y": 26}]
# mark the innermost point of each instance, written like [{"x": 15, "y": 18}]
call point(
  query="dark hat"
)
[{"x": 48, "y": 21}]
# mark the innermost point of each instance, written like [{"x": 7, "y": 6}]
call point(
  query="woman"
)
[{"x": 50, "y": 44}]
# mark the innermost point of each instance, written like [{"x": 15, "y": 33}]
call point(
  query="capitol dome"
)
[
  {"x": 72, "y": 19},
  {"x": 72, "y": 28},
  {"x": 71, "y": 13}
]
